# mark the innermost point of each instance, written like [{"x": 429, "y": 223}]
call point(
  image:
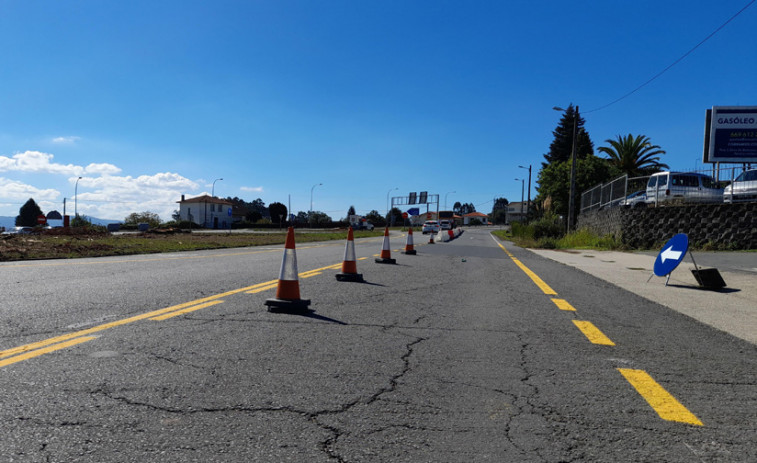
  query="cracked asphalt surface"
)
[{"x": 453, "y": 355}]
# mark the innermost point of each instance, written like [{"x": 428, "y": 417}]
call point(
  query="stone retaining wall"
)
[{"x": 731, "y": 226}]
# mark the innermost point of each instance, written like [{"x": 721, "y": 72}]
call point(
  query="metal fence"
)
[{"x": 717, "y": 185}]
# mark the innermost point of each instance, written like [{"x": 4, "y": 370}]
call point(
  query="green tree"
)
[
  {"x": 143, "y": 217},
  {"x": 554, "y": 182},
  {"x": 319, "y": 218},
  {"x": 635, "y": 156},
  {"x": 376, "y": 218},
  {"x": 562, "y": 145},
  {"x": 499, "y": 211},
  {"x": 278, "y": 213},
  {"x": 350, "y": 212},
  {"x": 27, "y": 215}
]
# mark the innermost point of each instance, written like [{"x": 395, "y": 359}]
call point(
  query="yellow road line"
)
[
  {"x": 534, "y": 277},
  {"x": 658, "y": 398},
  {"x": 40, "y": 347},
  {"x": 183, "y": 311},
  {"x": 263, "y": 288},
  {"x": 46, "y": 350},
  {"x": 310, "y": 274},
  {"x": 95, "y": 329},
  {"x": 593, "y": 333},
  {"x": 562, "y": 304}
]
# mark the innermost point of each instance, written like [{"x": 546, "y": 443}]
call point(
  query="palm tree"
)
[{"x": 634, "y": 156}]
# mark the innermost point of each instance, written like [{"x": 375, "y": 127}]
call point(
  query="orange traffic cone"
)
[
  {"x": 386, "y": 254},
  {"x": 409, "y": 245},
  {"x": 431, "y": 238},
  {"x": 349, "y": 265},
  {"x": 288, "y": 292}
]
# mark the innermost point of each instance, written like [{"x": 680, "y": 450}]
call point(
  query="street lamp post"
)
[
  {"x": 572, "y": 194},
  {"x": 528, "y": 203},
  {"x": 310, "y": 214},
  {"x": 212, "y": 195},
  {"x": 213, "y": 190},
  {"x": 387, "y": 203},
  {"x": 522, "y": 183},
  {"x": 445, "y": 199},
  {"x": 76, "y": 198}
]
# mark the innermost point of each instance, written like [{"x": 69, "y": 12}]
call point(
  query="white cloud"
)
[
  {"x": 113, "y": 197},
  {"x": 102, "y": 169},
  {"x": 66, "y": 140},
  {"x": 37, "y": 162},
  {"x": 17, "y": 191},
  {"x": 101, "y": 191},
  {"x": 252, "y": 189}
]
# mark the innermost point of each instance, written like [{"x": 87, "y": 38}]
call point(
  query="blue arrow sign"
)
[
  {"x": 671, "y": 255},
  {"x": 414, "y": 211}
]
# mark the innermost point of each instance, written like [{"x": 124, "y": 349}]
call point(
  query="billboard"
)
[{"x": 731, "y": 134}]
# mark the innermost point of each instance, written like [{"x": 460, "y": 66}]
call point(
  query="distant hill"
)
[{"x": 10, "y": 222}]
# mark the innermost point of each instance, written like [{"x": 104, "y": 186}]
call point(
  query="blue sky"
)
[{"x": 150, "y": 100}]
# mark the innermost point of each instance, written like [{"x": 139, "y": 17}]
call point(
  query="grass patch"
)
[
  {"x": 580, "y": 239},
  {"x": 44, "y": 246}
]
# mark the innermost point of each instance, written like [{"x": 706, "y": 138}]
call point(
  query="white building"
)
[
  {"x": 206, "y": 211},
  {"x": 476, "y": 215}
]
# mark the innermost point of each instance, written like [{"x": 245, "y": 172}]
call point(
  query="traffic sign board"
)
[
  {"x": 404, "y": 215},
  {"x": 41, "y": 219},
  {"x": 671, "y": 255}
]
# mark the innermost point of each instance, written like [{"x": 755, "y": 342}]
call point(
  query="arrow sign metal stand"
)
[{"x": 673, "y": 253}]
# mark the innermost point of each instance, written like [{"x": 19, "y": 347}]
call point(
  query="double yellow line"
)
[
  {"x": 29, "y": 351},
  {"x": 661, "y": 401}
]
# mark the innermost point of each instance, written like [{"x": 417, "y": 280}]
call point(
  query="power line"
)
[{"x": 674, "y": 62}]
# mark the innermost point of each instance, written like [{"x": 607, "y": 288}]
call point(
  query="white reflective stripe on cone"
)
[{"x": 289, "y": 265}]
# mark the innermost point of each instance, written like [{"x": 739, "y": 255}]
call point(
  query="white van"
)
[{"x": 683, "y": 186}]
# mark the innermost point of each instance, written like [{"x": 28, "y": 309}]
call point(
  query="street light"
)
[
  {"x": 522, "y": 183},
  {"x": 387, "y": 203},
  {"x": 76, "y": 197},
  {"x": 212, "y": 195},
  {"x": 445, "y": 199},
  {"x": 528, "y": 204},
  {"x": 213, "y": 190},
  {"x": 572, "y": 167},
  {"x": 310, "y": 215}
]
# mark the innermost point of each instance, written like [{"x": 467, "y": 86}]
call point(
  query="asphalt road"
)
[{"x": 469, "y": 351}]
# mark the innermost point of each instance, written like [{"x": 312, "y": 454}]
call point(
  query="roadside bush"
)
[{"x": 547, "y": 227}]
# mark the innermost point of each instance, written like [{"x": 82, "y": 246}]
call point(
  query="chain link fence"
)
[{"x": 721, "y": 184}]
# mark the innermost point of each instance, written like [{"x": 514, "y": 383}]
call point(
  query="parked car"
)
[
  {"x": 364, "y": 225},
  {"x": 743, "y": 188},
  {"x": 636, "y": 199},
  {"x": 430, "y": 226},
  {"x": 18, "y": 231},
  {"x": 682, "y": 186},
  {"x": 445, "y": 225}
]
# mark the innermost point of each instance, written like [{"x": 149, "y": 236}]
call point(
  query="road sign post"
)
[{"x": 673, "y": 253}]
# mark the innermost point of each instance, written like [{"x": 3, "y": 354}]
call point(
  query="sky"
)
[{"x": 343, "y": 102}]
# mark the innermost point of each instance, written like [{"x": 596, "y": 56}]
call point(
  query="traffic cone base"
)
[
  {"x": 288, "y": 306},
  {"x": 385, "y": 260},
  {"x": 410, "y": 252},
  {"x": 356, "y": 277}
]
